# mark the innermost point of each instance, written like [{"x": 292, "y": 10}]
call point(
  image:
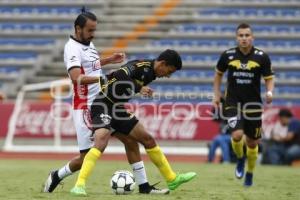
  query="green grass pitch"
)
[{"x": 22, "y": 179}]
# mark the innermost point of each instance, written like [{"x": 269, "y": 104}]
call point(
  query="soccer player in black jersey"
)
[
  {"x": 245, "y": 65},
  {"x": 109, "y": 115}
]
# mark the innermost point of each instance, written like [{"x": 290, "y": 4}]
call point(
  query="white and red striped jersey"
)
[{"x": 85, "y": 57}]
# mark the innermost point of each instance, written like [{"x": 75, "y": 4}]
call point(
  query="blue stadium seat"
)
[
  {"x": 242, "y": 11},
  {"x": 285, "y": 102},
  {"x": 9, "y": 70},
  {"x": 261, "y": 28},
  {"x": 194, "y": 73},
  {"x": 35, "y": 26},
  {"x": 222, "y": 43},
  {"x": 26, "y": 41},
  {"x": 21, "y": 55},
  {"x": 39, "y": 10},
  {"x": 288, "y": 74},
  {"x": 215, "y": 57}
]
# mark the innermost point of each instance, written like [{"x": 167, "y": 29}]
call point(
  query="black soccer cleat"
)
[
  {"x": 150, "y": 189},
  {"x": 52, "y": 181}
]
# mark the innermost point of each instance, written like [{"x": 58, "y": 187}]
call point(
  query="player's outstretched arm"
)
[{"x": 115, "y": 58}]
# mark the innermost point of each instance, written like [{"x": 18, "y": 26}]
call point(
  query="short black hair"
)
[
  {"x": 285, "y": 113},
  {"x": 83, "y": 17},
  {"x": 242, "y": 26},
  {"x": 171, "y": 57}
]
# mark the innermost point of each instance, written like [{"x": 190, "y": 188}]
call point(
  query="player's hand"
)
[
  {"x": 146, "y": 91},
  {"x": 117, "y": 58},
  {"x": 216, "y": 101},
  {"x": 269, "y": 97}
]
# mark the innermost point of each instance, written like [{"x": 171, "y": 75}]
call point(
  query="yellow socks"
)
[
  {"x": 161, "y": 162},
  {"x": 251, "y": 158},
  {"x": 87, "y": 166},
  {"x": 238, "y": 148}
]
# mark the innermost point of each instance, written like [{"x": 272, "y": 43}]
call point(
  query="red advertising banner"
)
[{"x": 168, "y": 121}]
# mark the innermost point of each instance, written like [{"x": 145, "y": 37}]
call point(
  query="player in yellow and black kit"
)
[
  {"x": 245, "y": 66},
  {"x": 109, "y": 115}
]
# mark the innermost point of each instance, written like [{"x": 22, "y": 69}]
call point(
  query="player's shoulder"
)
[
  {"x": 140, "y": 62},
  {"x": 260, "y": 52},
  {"x": 230, "y": 51},
  {"x": 72, "y": 44}
]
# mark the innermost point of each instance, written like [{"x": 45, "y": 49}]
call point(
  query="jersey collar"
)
[
  {"x": 83, "y": 43},
  {"x": 251, "y": 51}
]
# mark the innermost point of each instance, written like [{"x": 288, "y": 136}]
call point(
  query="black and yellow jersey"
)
[
  {"x": 244, "y": 74},
  {"x": 122, "y": 84}
]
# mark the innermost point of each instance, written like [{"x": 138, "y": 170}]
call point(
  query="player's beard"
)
[{"x": 84, "y": 40}]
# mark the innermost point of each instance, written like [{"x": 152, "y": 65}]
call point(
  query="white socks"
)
[
  {"x": 64, "y": 171},
  {"x": 139, "y": 172}
]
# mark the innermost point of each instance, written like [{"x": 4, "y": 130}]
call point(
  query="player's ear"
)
[
  {"x": 77, "y": 29},
  {"x": 163, "y": 63}
]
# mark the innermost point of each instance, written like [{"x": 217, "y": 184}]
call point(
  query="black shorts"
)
[
  {"x": 249, "y": 122},
  {"x": 115, "y": 118}
]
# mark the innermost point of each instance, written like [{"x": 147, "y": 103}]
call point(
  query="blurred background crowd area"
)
[{"x": 33, "y": 34}]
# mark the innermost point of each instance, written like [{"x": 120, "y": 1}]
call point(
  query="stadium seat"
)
[
  {"x": 256, "y": 12},
  {"x": 9, "y": 70},
  {"x": 26, "y": 41},
  {"x": 21, "y": 55},
  {"x": 224, "y": 28},
  {"x": 35, "y": 26},
  {"x": 39, "y": 10}
]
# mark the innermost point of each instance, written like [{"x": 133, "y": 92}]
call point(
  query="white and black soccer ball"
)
[{"x": 122, "y": 182}]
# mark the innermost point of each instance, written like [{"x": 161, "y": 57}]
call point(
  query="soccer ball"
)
[{"x": 122, "y": 182}]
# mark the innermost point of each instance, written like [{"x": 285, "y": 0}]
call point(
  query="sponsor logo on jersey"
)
[
  {"x": 105, "y": 118},
  {"x": 232, "y": 122},
  {"x": 96, "y": 65},
  {"x": 245, "y": 66},
  {"x": 73, "y": 59}
]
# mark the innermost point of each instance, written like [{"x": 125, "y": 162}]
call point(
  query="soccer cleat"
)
[
  {"x": 240, "y": 166},
  {"x": 181, "y": 178},
  {"x": 248, "y": 179},
  {"x": 78, "y": 191},
  {"x": 52, "y": 181},
  {"x": 153, "y": 190}
]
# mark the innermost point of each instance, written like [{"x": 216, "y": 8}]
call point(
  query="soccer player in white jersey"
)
[{"x": 84, "y": 68}]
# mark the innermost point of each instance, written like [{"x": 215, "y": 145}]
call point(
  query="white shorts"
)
[{"x": 81, "y": 120}]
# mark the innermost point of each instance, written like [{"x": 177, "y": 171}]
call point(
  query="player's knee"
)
[
  {"x": 101, "y": 137},
  {"x": 148, "y": 141},
  {"x": 251, "y": 143},
  {"x": 237, "y": 135},
  {"x": 130, "y": 144}
]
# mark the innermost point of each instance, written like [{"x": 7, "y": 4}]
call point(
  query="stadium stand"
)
[{"x": 32, "y": 37}]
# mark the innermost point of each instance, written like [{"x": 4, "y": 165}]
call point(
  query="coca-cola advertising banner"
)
[{"x": 171, "y": 121}]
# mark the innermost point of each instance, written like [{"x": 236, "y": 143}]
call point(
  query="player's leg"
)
[
  {"x": 252, "y": 154},
  {"x": 84, "y": 144},
  {"x": 158, "y": 158},
  {"x": 101, "y": 115},
  {"x": 138, "y": 168},
  {"x": 235, "y": 123},
  {"x": 101, "y": 137},
  {"x": 253, "y": 134},
  {"x": 56, "y": 176}
]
